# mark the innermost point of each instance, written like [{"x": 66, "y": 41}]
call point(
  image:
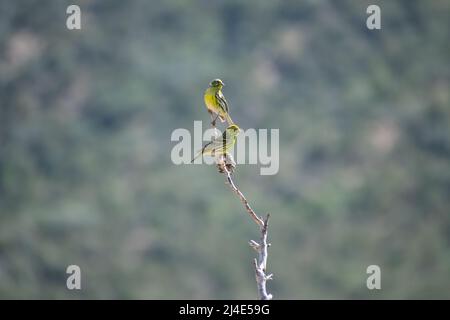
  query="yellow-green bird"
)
[
  {"x": 215, "y": 102},
  {"x": 220, "y": 145}
]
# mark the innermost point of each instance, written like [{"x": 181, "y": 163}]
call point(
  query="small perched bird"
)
[
  {"x": 222, "y": 144},
  {"x": 215, "y": 102}
]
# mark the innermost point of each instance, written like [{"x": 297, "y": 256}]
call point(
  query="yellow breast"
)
[{"x": 210, "y": 100}]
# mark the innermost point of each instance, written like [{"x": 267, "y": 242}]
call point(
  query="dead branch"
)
[{"x": 226, "y": 166}]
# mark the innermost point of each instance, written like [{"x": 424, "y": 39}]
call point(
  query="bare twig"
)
[
  {"x": 249, "y": 209},
  {"x": 261, "y": 246},
  {"x": 261, "y": 262}
]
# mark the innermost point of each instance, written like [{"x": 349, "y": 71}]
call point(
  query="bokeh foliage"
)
[{"x": 85, "y": 170}]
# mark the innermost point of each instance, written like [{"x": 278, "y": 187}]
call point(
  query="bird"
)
[
  {"x": 220, "y": 145},
  {"x": 216, "y": 103}
]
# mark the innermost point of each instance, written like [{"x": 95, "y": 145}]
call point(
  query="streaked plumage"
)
[
  {"x": 222, "y": 144},
  {"x": 216, "y": 103}
]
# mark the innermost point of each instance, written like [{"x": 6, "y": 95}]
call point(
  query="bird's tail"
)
[
  {"x": 228, "y": 118},
  {"x": 198, "y": 155}
]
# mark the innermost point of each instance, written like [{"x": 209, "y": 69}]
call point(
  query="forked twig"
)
[{"x": 261, "y": 247}]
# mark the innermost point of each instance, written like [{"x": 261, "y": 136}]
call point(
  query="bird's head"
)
[
  {"x": 233, "y": 129},
  {"x": 217, "y": 83}
]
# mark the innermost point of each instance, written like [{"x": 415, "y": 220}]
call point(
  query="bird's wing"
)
[
  {"x": 216, "y": 144},
  {"x": 219, "y": 144},
  {"x": 221, "y": 100}
]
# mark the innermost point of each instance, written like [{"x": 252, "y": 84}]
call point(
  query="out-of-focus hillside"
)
[{"x": 85, "y": 170}]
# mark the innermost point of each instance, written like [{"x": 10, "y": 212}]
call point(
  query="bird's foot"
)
[{"x": 227, "y": 162}]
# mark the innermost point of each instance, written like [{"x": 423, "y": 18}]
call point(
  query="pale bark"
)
[{"x": 260, "y": 246}]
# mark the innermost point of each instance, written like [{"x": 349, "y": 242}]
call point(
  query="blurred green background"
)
[{"x": 86, "y": 177}]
